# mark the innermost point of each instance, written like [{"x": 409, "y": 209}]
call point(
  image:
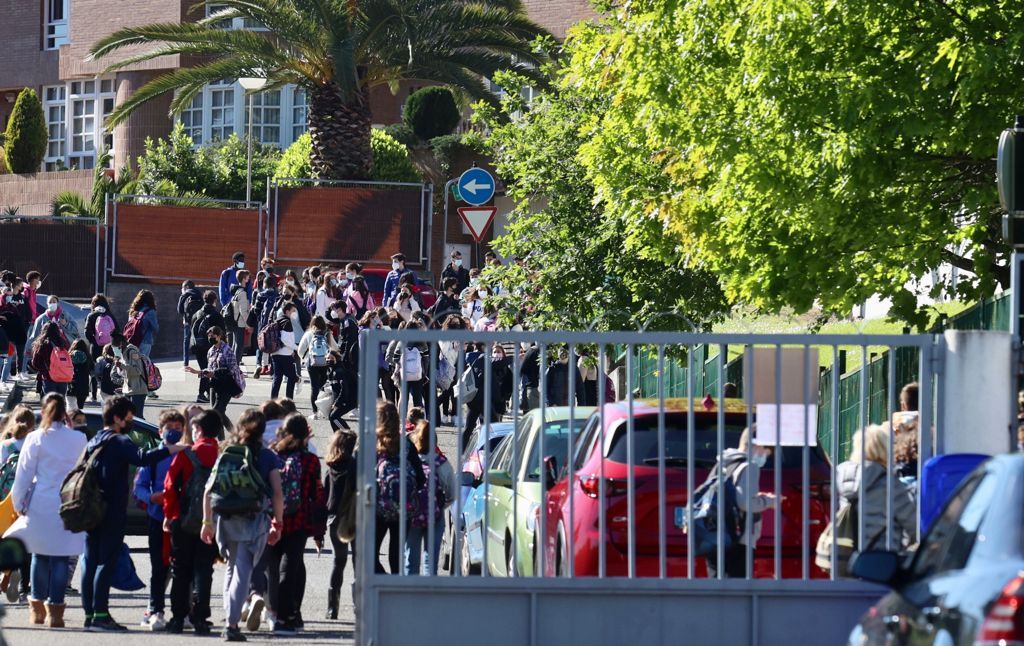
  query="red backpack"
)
[
  {"x": 61, "y": 370},
  {"x": 133, "y": 328}
]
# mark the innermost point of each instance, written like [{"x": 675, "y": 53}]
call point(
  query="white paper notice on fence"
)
[{"x": 791, "y": 419}]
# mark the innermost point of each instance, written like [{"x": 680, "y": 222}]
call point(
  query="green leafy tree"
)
[
  {"x": 217, "y": 170},
  {"x": 336, "y": 50},
  {"x": 431, "y": 112},
  {"x": 578, "y": 263},
  {"x": 391, "y": 159},
  {"x": 809, "y": 153},
  {"x": 25, "y": 138}
]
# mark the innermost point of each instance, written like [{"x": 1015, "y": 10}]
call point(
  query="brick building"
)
[{"x": 46, "y": 46}]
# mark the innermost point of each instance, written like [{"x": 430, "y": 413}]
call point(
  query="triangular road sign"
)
[{"x": 478, "y": 219}]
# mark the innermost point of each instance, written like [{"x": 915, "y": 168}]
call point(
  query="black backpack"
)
[
  {"x": 192, "y": 495},
  {"x": 705, "y": 512},
  {"x": 193, "y": 303},
  {"x": 82, "y": 501}
]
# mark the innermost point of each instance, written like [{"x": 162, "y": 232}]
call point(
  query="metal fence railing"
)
[{"x": 588, "y": 491}]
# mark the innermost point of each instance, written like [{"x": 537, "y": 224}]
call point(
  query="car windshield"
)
[
  {"x": 556, "y": 443},
  {"x": 705, "y": 439}
]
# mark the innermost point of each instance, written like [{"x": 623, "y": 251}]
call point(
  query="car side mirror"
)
[
  {"x": 467, "y": 479},
  {"x": 13, "y": 554},
  {"x": 876, "y": 566},
  {"x": 499, "y": 478},
  {"x": 550, "y": 472}
]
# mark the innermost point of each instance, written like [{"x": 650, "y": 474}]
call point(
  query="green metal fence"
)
[{"x": 986, "y": 315}]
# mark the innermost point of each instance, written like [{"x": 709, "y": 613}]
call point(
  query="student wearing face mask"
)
[
  {"x": 98, "y": 327},
  {"x": 398, "y": 269},
  {"x": 12, "y": 337},
  {"x": 267, "y": 267},
  {"x": 222, "y": 371},
  {"x": 327, "y": 294},
  {"x": 284, "y": 359},
  {"x": 745, "y": 472},
  {"x": 190, "y": 302},
  {"x": 128, "y": 360},
  {"x": 454, "y": 269},
  {"x": 55, "y": 314},
  {"x": 116, "y": 452},
  {"x": 149, "y": 492},
  {"x": 473, "y": 307},
  {"x": 229, "y": 277}
]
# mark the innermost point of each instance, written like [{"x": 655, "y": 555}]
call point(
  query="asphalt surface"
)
[{"x": 128, "y": 608}]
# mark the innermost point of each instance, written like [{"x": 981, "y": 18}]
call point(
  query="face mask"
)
[
  {"x": 350, "y": 275},
  {"x": 473, "y": 282},
  {"x": 82, "y": 428},
  {"x": 117, "y": 352},
  {"x": 239, "y": 265},
  {"x": 497, "y": 357},
  {"x": 8, "y": 298},
  {"x": 128, "y": 426},
  {"x": 457, "y": 262},
  {"x": 172, "y": 437},
  {"x": 344, "y": 283},
  {"x": 394, "y": 264},
  {"x": 100, "y": 309},
  {"x": 334, "y": 283},
  {"x": 759, "y": 459},
  {"x": 52, "y": 308},
  {"x": 483, "y": 293},
  {"x": 269, "y": 269},
  {"x": 212, "y": 340}
]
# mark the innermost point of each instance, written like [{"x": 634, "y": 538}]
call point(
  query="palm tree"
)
[{"x": 337, "y": 50}]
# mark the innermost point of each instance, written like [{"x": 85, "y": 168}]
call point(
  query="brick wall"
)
[
  {"x": 34, "y": 193},
  {"x": 558, "y": 15},
  {"x": 94, "y": 19},
  {"x": 24, "y": 64},
  {"x": 149, "y": 120}
]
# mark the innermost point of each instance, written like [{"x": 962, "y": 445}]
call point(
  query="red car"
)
[
  {"x": 611, "y": 444},
  {"x": 375, "y": 277}
]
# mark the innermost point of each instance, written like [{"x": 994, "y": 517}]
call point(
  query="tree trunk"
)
[{"x": 340, "y": 132}]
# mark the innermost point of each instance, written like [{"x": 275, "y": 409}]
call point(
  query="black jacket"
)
[
  {"x": 187, "y": 310},
  {"x": 461, "y": 274},
  {"x": 339, "y": 481},
  {"x": 445, "y": 303},
  {"x": 206, "y": 318},
  {"x": 558, "y": 385}
]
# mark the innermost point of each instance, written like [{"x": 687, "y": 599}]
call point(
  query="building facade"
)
[{"x": 46, "y": 48}]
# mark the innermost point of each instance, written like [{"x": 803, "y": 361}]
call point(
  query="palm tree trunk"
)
[{"x": 341, "y": 133}]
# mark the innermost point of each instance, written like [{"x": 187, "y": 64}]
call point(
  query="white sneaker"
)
[
  {"x": 257, "y": 613},
  {"x": 244, "y": 615},
  {"x": 154, "y": 622}
]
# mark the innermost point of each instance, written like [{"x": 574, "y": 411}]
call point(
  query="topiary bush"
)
[
  {"x": 431, "y": 112},
  {"x": 25, "y": 138},
  {"x": 391, "y": 161}
]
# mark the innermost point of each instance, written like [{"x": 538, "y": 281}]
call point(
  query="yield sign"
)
[{"x": 478, "y": 219}]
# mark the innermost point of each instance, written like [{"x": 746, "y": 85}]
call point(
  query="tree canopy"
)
[{"x": 808, "y": 153}]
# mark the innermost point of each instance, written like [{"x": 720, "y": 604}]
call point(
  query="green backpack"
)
[
  {"x": 192, "y": 495},
  {"x": 7, "y": 473},
  {"x": 237, "y": 487},
  {"x": 82, "y": 502}
]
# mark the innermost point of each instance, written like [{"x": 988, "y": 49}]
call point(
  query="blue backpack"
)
[
  {"x": 705, "y": 513},
  {"x": 389, "y": 489}
]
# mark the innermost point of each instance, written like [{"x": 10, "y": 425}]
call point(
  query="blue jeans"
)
[
  {"x": 6, "y": 364},
  {"x": 146, "y": 347},
  {"x": 186, "y": 339},
  {"x": 284, "y": 368},
  {"x": 415, "y": 540},
  {"x": 102, "y": 547},
  {"x": 52, "y": 387},
  {"x": 49, "y": 578}
]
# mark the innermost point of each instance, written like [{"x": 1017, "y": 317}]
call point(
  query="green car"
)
[{"x": 516, "y": 491}]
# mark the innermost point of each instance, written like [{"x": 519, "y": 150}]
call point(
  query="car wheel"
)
[{"x": 468, "y": 567}]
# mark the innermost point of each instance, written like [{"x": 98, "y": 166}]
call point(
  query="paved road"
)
[{"x": 128, "y": 608}]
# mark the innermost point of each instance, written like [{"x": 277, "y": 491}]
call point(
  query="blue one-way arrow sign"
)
[{"x": 476, "y": 186}]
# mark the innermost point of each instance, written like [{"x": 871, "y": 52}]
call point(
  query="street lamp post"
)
[{"x": 250, "y": 85}]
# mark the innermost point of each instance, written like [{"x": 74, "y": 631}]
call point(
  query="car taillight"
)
[
  {"x": 1004, "y": 623},
  {"x": 612, "y": 486}
]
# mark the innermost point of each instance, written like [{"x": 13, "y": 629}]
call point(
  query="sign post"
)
[
  {"x": 1010, "y": 180},
  {"x": 475, "y": 187}
]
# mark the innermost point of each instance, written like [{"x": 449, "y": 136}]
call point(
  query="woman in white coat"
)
[{"x": 47, "y": 456}]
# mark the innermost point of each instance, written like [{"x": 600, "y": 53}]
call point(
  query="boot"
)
[
  {"x": 36, "y": 611},
  {"x": 332, "y": 603},
  {"x": 55, "y": 616}
]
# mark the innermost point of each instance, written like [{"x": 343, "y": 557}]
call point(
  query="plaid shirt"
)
[{"x": 312, "y": 513}]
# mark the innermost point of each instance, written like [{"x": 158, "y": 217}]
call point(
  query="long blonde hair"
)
[
  {"x": 874, "y": 440},
  {"x": 20, "y": 422}
]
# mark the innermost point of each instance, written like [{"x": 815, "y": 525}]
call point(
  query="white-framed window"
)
[
  {"x": 266, "y": 117},
  {"x": 300, "y": 112},
  {"x": 192, "y": 119},
  {"x": 56, "y": 25},
  {"x": 220, "y": 109},
  {"x": 232, "y": 23},
  {"x": 55, "y": 108},
  {"x": 75, "y": 113}
]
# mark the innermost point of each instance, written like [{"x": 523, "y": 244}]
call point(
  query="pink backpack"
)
[
  {"x": 62, "y": 370},
  {"x": 104, "y": 328}
]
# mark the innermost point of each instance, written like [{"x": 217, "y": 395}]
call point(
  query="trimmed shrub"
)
[
  {"x": 431, "y": 112},
  {"x": 25, "y": 138}
]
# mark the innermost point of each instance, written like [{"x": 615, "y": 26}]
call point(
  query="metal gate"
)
[
  {"x": 596, "y": 542},
  {"x": 66, "y": 249}
]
